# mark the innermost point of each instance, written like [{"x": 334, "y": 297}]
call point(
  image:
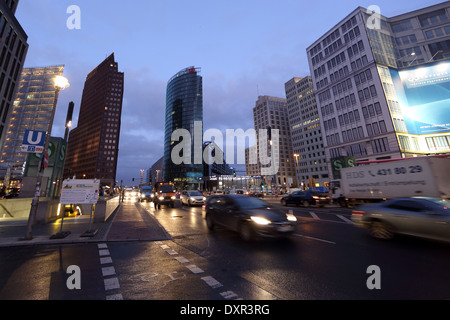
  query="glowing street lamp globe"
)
[{"x": 61, "y": 82}]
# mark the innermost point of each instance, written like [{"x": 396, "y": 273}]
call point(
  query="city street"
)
[{"x": 327, "y": 258}]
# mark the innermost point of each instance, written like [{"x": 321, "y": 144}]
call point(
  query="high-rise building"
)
[
  {"x": 381, "y": 85},
  {"x": 184, "y": 109},
  {"x": 94, "y": 144},
  {"x": 271, "y": 113},
  {"x": 13, "y": 50},
  {"x": 306, "y": 133},
  {"x": 32, "y": 110}
]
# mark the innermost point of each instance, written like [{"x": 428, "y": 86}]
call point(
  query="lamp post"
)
[
  {"x": 406, "y": 56},
  {"x": 432, "y": 58},
  {"x": 60, "y": 83},
  {"x": 296, "y": 155}
]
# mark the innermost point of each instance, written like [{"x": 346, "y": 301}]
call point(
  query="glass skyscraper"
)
[
  {"x": 32, "y": 110},
  {"x": 184, "y": 107}
]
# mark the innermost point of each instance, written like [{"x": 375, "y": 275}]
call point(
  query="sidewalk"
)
[{"x": 128, "y": 223}]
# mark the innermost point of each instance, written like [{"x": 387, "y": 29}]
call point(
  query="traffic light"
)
[{"x": 234, "y": 173}]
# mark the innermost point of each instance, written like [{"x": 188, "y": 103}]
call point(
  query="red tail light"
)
[{"x": 358, "y": 213}]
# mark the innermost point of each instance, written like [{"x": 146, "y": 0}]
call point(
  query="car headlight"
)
[
  {"x": 291, "y": 217},
  {"x": 204, "y": 198},
  {"x": 173, "y": 197},
  {"x": 152, "y": 195},
  {"x": 192, "y": 198},
  {"x": 259, "y": 220},
  {"x": 161, "y": 198}
]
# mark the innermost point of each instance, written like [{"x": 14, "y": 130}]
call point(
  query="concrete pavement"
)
[{"x": 129, "y": 222}]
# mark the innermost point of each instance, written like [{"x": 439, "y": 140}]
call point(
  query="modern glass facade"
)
[
  {"x": 184, "y": 106},
  {"x": 32, "y": 110}
]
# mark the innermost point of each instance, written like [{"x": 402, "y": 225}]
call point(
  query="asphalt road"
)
[{"x": 326, "y": 259}]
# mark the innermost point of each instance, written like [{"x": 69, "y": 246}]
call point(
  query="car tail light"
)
[
  {"x": 358, "y": 213},
  {"x": 316, "y": 197}
]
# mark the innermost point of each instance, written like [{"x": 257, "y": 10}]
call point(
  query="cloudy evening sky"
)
[{"x": 244, "y": 48}]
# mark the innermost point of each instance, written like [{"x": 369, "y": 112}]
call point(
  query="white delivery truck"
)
[{"x": 380, "y": 180}]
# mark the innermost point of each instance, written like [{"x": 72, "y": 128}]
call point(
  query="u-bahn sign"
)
[{"x": 33, "y": 141}]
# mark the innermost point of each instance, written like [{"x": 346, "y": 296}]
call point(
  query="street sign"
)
[
  {"x": 80, "y": 191},
  {"x": 33, "y": 141}
]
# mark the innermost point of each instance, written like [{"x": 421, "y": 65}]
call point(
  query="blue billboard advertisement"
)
[{"x": 424, "y": 96}]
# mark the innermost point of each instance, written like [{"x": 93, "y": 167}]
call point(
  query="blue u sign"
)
[{"x": 34, "y": 138}]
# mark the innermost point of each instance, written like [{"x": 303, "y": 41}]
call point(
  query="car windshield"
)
[
  {"x": 250, "y": 203},
  {"x": 166, "y": 189},
  {"x": 194, "y": 193}
]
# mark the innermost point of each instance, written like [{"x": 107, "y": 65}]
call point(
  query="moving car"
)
[
  {"x": 235, "y": 191},
  {"x": 130, "y": 193},
  {"x": 425, "y": 217},
  {"x": 164, "y": 195},
  {"x": 249, "y": 216},
  {"x": 192, "y": 197},
  {"x": 305, "y": 198},
  {"x": 146, "y": 193}
]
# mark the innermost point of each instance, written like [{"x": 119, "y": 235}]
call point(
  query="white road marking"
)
[
  {"x": 213, "y": 283},
  {"x": 194, "y": 268},
  {"x": 111, "y": 283},
  {"x": 102, "y": 246},
  {"x": 104, "y": 252},
  {"x": 105, "y": 260},
  {"x": 229, "y": 295},
  {"x": 314, "y": 215},
  {"x": 172, "y": 252},
  {"x": 108, "y": 271},
  {"x": 312, "y": 238},
  {"x": 181, "y": 259},
  {"x": 345, "y": 219},
  {"x": 114, "y": 297},
  {"x": 165, "y": 246}
]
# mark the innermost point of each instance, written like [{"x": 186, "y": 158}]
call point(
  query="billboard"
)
[{"x": 423, "y": 93}]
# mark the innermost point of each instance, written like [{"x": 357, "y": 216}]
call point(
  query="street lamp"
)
[
  {"x": 60, "y": 83},
  {"x": 406, "y": 56},
  {"x": 432, "y": 58}
]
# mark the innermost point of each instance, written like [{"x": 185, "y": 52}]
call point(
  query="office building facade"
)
[
  {"x": 32, "y": 110},
  {"x": 271, "y": 112},
  {"x": 306, "y": 133},
  {"x": 13, "y": 51},
  {"x": 358, "y": 69},
  {"x": 94, "y": 144},
  {"x": 184, "y": 109}
]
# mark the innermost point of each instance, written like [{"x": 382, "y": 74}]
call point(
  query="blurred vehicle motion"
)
[
  {"x": 249, "y": 216},
  {"x": 425, "y": 217},
  {"x": 192, "y": 197},
  {"x": 146, "y": 193},
  {"x": 374, "y": 181},
  {"x": 305, "y": 198},
  {"x": 130, "y": 193},
  {"x": 164, "y": 195}
]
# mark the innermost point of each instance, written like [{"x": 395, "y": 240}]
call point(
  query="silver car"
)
[
  {"x": 418, "y": 216},
  {"x": 192, "y": 197}
]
